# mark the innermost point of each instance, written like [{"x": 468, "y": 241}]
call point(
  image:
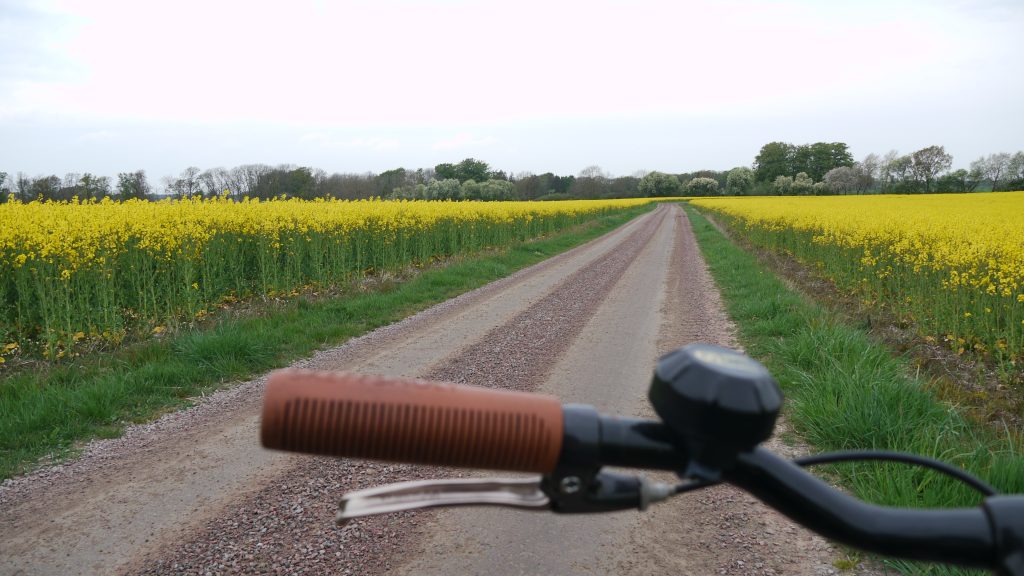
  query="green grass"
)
[
  {"x": 965, "y": 318},
  {"x": 53, "y": 410},
  {"x": 845, "y": 391}
]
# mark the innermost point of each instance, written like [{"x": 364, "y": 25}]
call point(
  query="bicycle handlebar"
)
[
  {"x": 953, "y": 535},
  {"x": 408, "y": 420}
]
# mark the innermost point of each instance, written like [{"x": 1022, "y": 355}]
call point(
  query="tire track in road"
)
[
  {"x": 608, "y": 365},
  {"x": 518, "y": 354},
  {"x": 125, "y": 498},
  {"x": 193, "y": 493},
  {"x": 286, "y": 526},
  {"x": 720, "y": 530},
  {"x": 665, "y": 300}
]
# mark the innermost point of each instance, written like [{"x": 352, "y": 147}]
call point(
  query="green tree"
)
[
  {"x": 928, "y": 163},
  {"x": 446, "y": 171},
  {"x": 774, "y": 160},
  {"x": 46, "y": 188},
  {"x": 783, "y": 185},
  {"x": 389, "y": 180},
  {"x": 957, "y": 181},
  {"x": 133, "y": 185},
  {"x": 532, "y": 187},
  {"x": 591, "y": 182},
  {"x": 91, "y": 186},
  {"x": 842, "y": 180},
  {"x": 300, "y": 183},
  {"x": 824, "y": 156},
  {"x": 528, "y": 186},
  {"x": 23, "y": 187},
  {"x": 468, "y": 169},
  {"x": 782, "y": 159},
  {"x": 447, "y": 189},
  {"x": 800, "y": 160},
  {"x": 186, "y": 185},
  {"x": 992, "y": 168},
  {"x": 659, "y": 184},
  {"x": 627, "y": 187},
  {"x": 702, "y": 186},
  {"x": 802, "y": 184},
  {"x": 897, "y": 174},
  {"x": 286, "y": 181},
  {"x": 217, "y": 181},
  {"x": 473, "y": 169},
  {"x": 4, "y": 192},
  {"x": 1015, "y": 172},
  {"x": 493, "y": 189},
  {"x": 739, "y": 181}
]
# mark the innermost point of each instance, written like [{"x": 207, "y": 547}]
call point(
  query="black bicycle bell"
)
[{"x": 718, "y": 402}]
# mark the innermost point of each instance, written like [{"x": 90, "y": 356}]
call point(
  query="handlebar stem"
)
[{"x": 592, "y": 440}]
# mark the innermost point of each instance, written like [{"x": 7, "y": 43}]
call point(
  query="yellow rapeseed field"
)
[
  {"x": 72, "y": 271},
  {"x": 951, "y": 263}
]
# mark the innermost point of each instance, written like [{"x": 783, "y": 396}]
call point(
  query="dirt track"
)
[{"x": 194, "y": 493}]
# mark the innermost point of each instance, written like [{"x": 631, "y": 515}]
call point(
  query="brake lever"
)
[
  {"x": 601, "y": 492},
  {"x": 514, "y": 492}
]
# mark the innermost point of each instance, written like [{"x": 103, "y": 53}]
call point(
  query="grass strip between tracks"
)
[
  {"x": 51, "y": 411},
  {"x": 845, "y": 391}
]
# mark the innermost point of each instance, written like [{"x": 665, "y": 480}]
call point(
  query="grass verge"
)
[
  {"x": 50, "y": 411},
  {"x": 846, "y": 391}
]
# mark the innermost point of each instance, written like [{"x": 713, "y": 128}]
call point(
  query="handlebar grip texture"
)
[{"x": 408, "y": 420}]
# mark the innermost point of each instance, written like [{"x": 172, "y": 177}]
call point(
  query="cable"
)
[{"x": 862, "y": 455}]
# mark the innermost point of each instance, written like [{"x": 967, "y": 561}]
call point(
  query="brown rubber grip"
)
[{"x": 407, "y": 420}]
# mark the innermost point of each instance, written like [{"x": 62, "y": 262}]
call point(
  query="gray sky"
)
[{"x": 351, "y": 86}]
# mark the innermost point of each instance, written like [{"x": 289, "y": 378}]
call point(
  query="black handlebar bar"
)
[
  {"x": 716, "y": 408},
  {"x": 989, "y": 536},
  {"x": 959, "y": 536}
]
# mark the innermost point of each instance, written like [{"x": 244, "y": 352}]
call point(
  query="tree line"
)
[
  {"x": 779, "y": 168},
  {"x": 470, "y": 179},
  {"x": 829, "y": 168}
]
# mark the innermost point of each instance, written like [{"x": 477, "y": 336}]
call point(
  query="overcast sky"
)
[{"x": 109, "y": 86}]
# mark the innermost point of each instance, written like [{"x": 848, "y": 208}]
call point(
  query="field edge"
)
[{"x": 110, "y": 391}]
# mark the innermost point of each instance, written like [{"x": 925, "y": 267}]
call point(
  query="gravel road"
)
[{"x": 193, "y": 493}]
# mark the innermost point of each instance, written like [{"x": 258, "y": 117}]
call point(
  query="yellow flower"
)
[
  {"x": 931, "y": 255},
  {"x": 128, "y": 258}
]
